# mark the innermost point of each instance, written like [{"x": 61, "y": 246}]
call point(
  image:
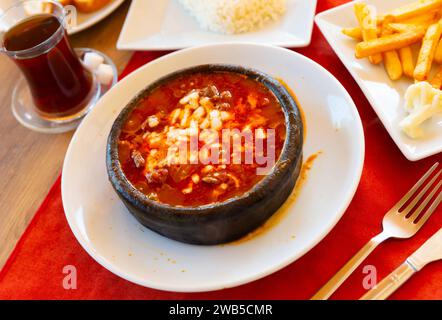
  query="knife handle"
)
[
  {"x": 391, "y": 283},
  {"x": 334, "y": 283}
]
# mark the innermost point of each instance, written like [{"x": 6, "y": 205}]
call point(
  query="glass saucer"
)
[{"x": 25, "y": 112}]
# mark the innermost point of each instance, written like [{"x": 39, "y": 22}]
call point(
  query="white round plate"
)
[
  {"x": 118, "y": 242},
  {"x": 86, "y": 20}
]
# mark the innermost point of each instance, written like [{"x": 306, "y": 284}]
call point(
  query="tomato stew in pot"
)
[{"x": 155, "y": 144}]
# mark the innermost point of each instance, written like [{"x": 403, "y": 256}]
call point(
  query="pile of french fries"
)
[{"x": 390, "y": 37}]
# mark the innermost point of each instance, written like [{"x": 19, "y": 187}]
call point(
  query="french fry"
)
[
  {"x": 405, "y": 27},
  {"x": 438, "y": 54},
  {"x": 355, "y": 33},
  {"x": 414, "y": 9},
  {"x": 388, "y": 43},
  {"x": 401, "y": 27},
  {"x": 423, "y": 19},
  {"x": 366, "y": 16},
  {"x": 436, "y": 82},
  {"x": 427, "y": 52},
  {"x": 426, "y": 18},
  {"x": 406, "y": 56},
  {"x": 360, "y": 11},
  {"x": 392, "y": 63}
]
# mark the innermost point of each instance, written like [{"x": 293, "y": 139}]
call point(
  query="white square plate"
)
[
  {"x": 385, "y": 96},
  {"x": 165, "y": 25}
]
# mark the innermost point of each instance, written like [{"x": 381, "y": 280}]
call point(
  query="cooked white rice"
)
[{"x": 234, "y": 16}]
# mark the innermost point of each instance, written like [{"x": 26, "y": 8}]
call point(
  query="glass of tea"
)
[{"x": 57, "y": 90}]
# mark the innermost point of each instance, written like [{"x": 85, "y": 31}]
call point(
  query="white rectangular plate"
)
[
  {"x": 385, "y": 96},
  {"x": 165, "y": 25}
]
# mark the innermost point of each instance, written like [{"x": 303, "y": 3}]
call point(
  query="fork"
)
[{"x": 399, "y": 222}]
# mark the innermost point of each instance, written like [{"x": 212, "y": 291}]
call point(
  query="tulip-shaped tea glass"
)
[{"x": 56, "y": 91}]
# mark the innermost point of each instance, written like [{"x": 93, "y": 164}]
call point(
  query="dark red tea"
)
[{"x": 59, "y": 83}]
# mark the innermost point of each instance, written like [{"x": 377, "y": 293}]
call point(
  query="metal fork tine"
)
[
  {"x": 430, "y": 210},
  {"x": 424, "y": 203},
  {"x": 421, "y": 194},
  {"x": 413, "y": 190}
]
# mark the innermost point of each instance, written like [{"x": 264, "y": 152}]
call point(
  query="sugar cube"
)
[
  {"x": 92, "y": 61},
  {"x": 105, "y": 74}
]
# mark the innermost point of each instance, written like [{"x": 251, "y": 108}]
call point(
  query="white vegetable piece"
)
[
  {"x": 260, "y": 134},
  {"x": 422, "y": 101},
  {"x": 153, "y": 121},
  {"x": 191, "y": 99},
  {"x": 215, "y": 119},
  {"x": 105, "y": 74},
  {"x": 92, "y": 61}
]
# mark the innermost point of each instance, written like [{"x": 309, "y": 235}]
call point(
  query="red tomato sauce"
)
[{"x": 202, "y": 101}]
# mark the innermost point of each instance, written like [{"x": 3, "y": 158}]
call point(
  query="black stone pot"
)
[{"x": 224, "y": 221}]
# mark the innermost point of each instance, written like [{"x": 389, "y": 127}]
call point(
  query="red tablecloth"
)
[{"x": 34, "y": 270}]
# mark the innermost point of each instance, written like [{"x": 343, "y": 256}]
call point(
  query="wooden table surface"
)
[{"x": 29, "y": 161}]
